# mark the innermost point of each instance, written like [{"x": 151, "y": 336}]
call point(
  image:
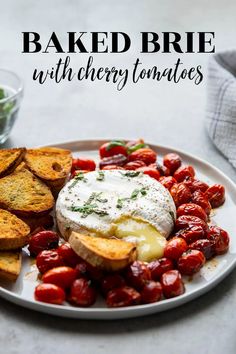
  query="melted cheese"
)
[
  {"x": 150, "y": 243},
  {"x": 130, "y": 206}
]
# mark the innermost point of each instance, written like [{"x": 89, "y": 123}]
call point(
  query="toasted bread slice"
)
[
  {"x": 24, "y": 194},
  {"x": 52, "y": 165},
  {"x": 10, "y": 265},
  {"x": 14, "y": 233},
  {"x": 103, "y": 253},
  {"x": 10, "y": 159}
]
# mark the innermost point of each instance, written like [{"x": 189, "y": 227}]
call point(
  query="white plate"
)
[{"x": 212, "y": 273}]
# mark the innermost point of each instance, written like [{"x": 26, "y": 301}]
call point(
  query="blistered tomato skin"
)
[
  {"x": 117, "y": 160},
  {"x": 216, "y": 195},
  {"x": 82, "y": 293},
  {"x": 172, "y": 284},
  {"x": 69, "y": 256},
  {"x": 148, "y": 156},
  {"x": 164, "y": 171},
  {"x": 167, "y": 182},
  {"x": 205, "y": 246},
  {"x": 175, "y": 248},
  {"x": 219, "y": 238},
  {"x": 192, "y": 209},
  {"x": 134, "y": 165},
  {"x": 49, "y": 293},
  {"x": 48, "y": 259},
  {"x": 172, "y": 161},
  {"x": 43, "y": 240},
  {"x": 113, "y": 167},
  {"x": 180, "y": 193},
  {"x": 199, "y": 198},
  {"x": 151, "y": 292},
  {"x": 83, "y": 164},
  {"x": 184, "y": 172},
  {"x": 186, "y": 221},
  {"x": 195, "y": 185},
  {"x": 123, "y": 296},
  {"x": 191, "y": 233},
  {"x": 60, "y": 276},
  {"x": 111, "y": 282},
  {"x": 160, "y": 266},
  {"x": 137, "y": 274},
  {"x": 191, "y": 262},
  {"x": 112, "y": 148},
  {"x": 150, "y": 172}
]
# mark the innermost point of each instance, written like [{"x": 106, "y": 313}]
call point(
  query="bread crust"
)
[
  {"x": 10, "y": 159},
  {"x": 103, "y": 253}
]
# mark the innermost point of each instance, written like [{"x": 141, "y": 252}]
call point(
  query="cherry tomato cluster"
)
[{"x": 67, "y": 277}]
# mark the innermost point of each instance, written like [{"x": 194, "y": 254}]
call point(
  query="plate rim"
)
[{"x": 94, "y": 313}]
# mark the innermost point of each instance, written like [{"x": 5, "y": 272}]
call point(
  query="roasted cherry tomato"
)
[
  {"x": 48, "y": 259},
  {"x": 180, "y": 193},
  {"x": 152, "y": 172},
  {"x": 82, "y": 270},
  {"x": 69, "y": 256},
  {"x": 49, "y": 293},
  {"x": 83, "y": 164},
  {"x": 111, "y": 282},
  {"x": 117, "y": 160},
  {"x": 192, "y": 209},
  {"x": 43, "y": 240},
  {"x": 151, "y": 292},
  {"x": 133, "y": 165},
  {"x": 113, "y": 167},
  {"x": 183, "y": 172},
  {"x": 199, "y": 198},
  {"x": 124, "y": 296},
  {"x": 160, "y": 266},
  {"x": 82, "y": 293},
  {"x": 186, "y": 221},
  {"x": 172, "y": 284},
  {"x": 137, "y": 274},
  {"x": 195, "y": 185},
  {"x": 172, "y": 161},
  {"x": 146, "y": 155},
  {"x": 191, "y": 262},
  {"x": 164, "y": 171},
  {"x": 205, "y": 246},
  {"x": 113, "y": 148},
  {"x": 175, "y": 247},
  {"x": 167, "y": 182},
  {"x": 191, "y": 233},
  {"x": 216, "y": 195},
  {"x": 219, "y": 238},
  {"x": 60, "y": 276}
]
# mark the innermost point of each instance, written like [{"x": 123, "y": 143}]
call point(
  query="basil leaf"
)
[{"x": 136, "y": 147}]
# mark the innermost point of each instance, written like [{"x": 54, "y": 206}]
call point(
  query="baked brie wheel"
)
[{"x": 128, "y": 205}]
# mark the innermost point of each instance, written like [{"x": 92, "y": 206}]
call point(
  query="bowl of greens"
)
[{"x": 11, "y": 93}]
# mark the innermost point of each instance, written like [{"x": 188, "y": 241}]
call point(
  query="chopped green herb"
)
[
  {"x": 88, "y": 209},
  {"x": 136, "y": 147},
  {"x": 101, "y": 176},
  {"x": 2, "y": 94},
  {"x": 115, "y": 143},
  {"x": 79, "y": 177},
  {"x": 134, "y": 196},
  {"x": 131, "y": 174}
]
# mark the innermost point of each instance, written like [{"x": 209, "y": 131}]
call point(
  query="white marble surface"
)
[{"x": 161, "y": 113}]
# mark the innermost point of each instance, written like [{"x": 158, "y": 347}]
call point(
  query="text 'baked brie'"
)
[{"x": 123, "y": 204}]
